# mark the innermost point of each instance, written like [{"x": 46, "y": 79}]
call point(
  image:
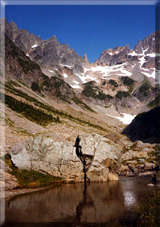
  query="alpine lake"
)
[{"x": 116, "y": 203}]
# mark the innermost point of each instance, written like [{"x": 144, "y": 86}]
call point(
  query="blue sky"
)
[{"x": 87, "y": 29}]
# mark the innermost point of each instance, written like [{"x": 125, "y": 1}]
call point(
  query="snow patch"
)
[
  {"x": 126, "y": 118},
  {"x": 51, "y": 71},
  {"x": 76, "y": 82},
  {"x": 75, "y": 86},
  {"x": 149, "y": 74},
  {"x": 68, "y": 66},
  {"x": 65, "y": 75},
  {"x": 35, "y": 45},
  {"x": 151, "y": 55},
  {"x": 133, "y": 53},
  {"x": 127, "y": 73}
]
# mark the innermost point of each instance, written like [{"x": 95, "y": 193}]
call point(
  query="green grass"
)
[
  {"x": 28, "y": 111},
  {"x": 63, "y": 90},
  {"x": 54, "y": 111},
  {"x": 82, "y": 104},
  {"x": 18, "y": 130},
  {"x": 30, "y": 178},
  {"x": 90, "y": 90},
  {"x": 10, "y": 88},
  {"x": 58, "y": 114}
]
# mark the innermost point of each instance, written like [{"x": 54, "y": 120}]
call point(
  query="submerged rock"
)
[
  {"x": 59, "y": 159},
  {"x": 113, "y": 177}
]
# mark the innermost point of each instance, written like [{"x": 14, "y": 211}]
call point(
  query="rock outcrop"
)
[
  {"x": 145, "y": 127},
  {"x": 59, "y": 158},
  {"x": 138, "y": 159}
]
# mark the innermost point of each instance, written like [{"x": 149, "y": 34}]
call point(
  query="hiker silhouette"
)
[{"x": 78, "y": 147}]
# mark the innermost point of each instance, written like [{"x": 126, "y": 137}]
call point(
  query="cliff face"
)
[
  {"x": 21, "y": 68},
  {"x": 145, "y": 127},
  {"x": 47, "y": 53},
  {"x": 59, "y": 159}
]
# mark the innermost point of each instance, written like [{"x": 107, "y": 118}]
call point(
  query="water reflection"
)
[
  {"x": 129, "y": 199},
  {"x": 86, "y": 202},
  {"x": 76, "y": 205}
]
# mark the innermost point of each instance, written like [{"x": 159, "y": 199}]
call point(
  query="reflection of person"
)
[
  {"x": 78, "y": 147},
  {"x": 86, "y": 202},
  {"x": 157, "y": 168},
  {"x": 154, "y": 179}
]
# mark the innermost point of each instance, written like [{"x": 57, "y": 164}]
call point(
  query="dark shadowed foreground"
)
[{"x": 103, "y": 204}]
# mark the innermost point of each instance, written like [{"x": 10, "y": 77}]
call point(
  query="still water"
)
[{"x": 101, "y": 204}]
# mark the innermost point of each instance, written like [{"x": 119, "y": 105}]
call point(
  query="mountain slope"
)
[
  {"x": 145, "y": 127},
  {"x": 120, "y": 81}
]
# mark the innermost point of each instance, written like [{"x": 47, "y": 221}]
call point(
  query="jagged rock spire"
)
[{"x": 86, "y": 58}]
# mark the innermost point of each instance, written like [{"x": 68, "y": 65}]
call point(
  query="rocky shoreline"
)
[
  {"x": 16, "y": 192},
  {"x": 40, "y": 162},
  {"x": 10, "y": 194}
]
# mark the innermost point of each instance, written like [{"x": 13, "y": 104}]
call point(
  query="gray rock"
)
[{"x": 59, "y": 158}]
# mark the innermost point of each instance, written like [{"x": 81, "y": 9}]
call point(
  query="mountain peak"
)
[
  {"x": 13, "y": 25},
  {"x": 86, "y": 59},
  {"x": 53, "y": 38}
]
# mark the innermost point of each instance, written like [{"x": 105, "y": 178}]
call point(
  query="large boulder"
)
[{"x": 59, "y": 159}]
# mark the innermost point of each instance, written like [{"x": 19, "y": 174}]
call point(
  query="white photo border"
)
[{"x": 4, "y": 3}]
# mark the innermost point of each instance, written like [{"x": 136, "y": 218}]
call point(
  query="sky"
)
[{"x": 86, "y": 29}]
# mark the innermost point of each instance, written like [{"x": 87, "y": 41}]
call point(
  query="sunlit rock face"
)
[{"x": 59, "y": 158}]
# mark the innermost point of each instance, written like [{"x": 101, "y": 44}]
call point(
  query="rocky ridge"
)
[{"x": 59, "y": 60}]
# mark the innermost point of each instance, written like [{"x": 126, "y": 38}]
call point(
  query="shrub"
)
[
  {"x": 82, "y": 104},
  {"x": 113, "y": 83},
  {"x": 145, "y": 88},
  {"x": 28, "y": 65},
  {"x": 122, "y": 94},
  {"x": 127, "y": 81},
  {"x": 155, "y": 102},
  {"x": 28, "y": 111},
  {"x": 93, "y": 91},
  {"x": 35, "y": 87}
]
